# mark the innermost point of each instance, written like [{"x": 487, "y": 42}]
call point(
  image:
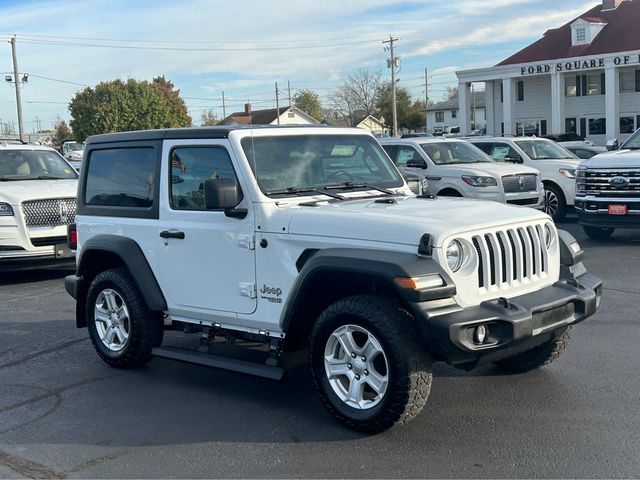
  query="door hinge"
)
[
  {"x": 248, "y": 290},
  {"x": 247, "y": 241}
]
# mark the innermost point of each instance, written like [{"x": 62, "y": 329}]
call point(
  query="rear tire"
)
[
  {"x": 598, "y": 233},
  {"x": 369, "y": 394},
  {"x": 122, "y": 329},
  {"x": 537, "y": 357}
]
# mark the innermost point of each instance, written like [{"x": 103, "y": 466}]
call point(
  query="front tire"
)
[
  {"x": 122, "y": 329},
  {"x": 367, "y": 365},
  {"x": 537, "y": 357},
  {"x": 598, "y": 233},
  {"x": 554, "y": 204}
]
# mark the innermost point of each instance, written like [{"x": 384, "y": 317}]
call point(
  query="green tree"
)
[
  {"x": 410, "y": 113},
  {"x": 208, "y": 119},
  {"x": 118, "y": 106},
  {"x": 309, "y": 102},
  {"x": 61, "y": 133}
]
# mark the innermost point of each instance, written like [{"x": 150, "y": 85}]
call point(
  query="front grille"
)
[
  {"x": 511, "y": 256},
  {"x": 51, "y": 212},
  {"x": 520, "y": 183},
  {"x": 523, "y": 201},
  {"x": 47, "y": 241},
  {"x": 597, "y": 182}
]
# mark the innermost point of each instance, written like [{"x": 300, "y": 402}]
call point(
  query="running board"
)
[{"x": 217, "y": 361}]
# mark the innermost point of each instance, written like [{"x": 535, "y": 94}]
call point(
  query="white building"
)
[
  {"x": 443, "y": 116},
  {"x": 583, "y": 77}
]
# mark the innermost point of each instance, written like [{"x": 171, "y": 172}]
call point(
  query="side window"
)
[
  {"x": 485, "y": 147},
  {"x": 405, "y": 154},
  {"x": 391, "y": 151},
  {"x": 190, "y": 167},
  {"x": 121, "y": 177},
  {"x": 501, "y": 151}
]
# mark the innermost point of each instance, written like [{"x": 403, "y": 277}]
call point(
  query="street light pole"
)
[{"x": 392, "y": 62}]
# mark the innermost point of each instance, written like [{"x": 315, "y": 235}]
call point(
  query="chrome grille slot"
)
[{"x": 50, "y": 212}]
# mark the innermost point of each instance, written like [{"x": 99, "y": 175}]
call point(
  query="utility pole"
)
[
  {"x": 426, "y": 100},
  {"x": 277, "y": 105},
  {"x": 224, "y": 108},
  {"x": 16, "y": 80},
  {"x": 473, "y": 110},
  {"x": 289, "y": 89},
  {"x": 393, "y": 62}
]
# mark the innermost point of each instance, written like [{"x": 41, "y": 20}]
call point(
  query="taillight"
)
[{"x": 72, "y": 236}]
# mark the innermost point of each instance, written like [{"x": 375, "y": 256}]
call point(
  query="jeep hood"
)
[
  {"x": 406, "y": 220},
  {"x": 615, "y": 159},
  {"x": 15, "y": 192}
]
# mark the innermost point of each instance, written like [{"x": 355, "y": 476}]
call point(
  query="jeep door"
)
[{"x": 206, "y": 260}]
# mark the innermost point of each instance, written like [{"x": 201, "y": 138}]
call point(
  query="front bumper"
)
[
  {"x": 593, "y": 211},
  {"x": 514, "y": 325}
]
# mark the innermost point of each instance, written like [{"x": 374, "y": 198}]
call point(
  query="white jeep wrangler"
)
[{"x": 307, "y": 238}]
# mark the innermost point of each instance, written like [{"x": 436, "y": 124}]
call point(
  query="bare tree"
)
[
  {"x": 451, "y": 92},
  {"x": 358, "y": 95}
]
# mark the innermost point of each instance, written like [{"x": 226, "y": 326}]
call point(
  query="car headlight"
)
[
  {"x": 548, "y": 235},
  {"x": 6, "y": 210},
  {"x": 568, "y": 172},
  {"x": 479, "y": 181},
  {"x": 455, "y": 255}
]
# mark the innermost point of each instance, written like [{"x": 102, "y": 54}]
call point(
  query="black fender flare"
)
[
  {"x": 376, "y": 264},
  {"x": 133, "y": 258}
]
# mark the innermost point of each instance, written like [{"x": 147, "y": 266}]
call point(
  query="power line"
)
[{"x": 59, "y": 80}]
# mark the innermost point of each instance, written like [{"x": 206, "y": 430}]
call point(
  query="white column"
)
[
  {"x": 464, "y": 108},
  {"x": 612, "y": 101},
  {"x": 508, "y": 92},
  {"x": 557, "y": 103},
  {"x": 489, "y": 106}
]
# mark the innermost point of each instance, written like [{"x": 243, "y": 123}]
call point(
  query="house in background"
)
[
  {"x": 442, "y": 116},
  {"x": 286, "y": 115},
  {"x": 358, "y": 120}
]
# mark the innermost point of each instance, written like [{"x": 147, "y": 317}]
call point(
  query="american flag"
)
[{"x": 177, "y": 163}]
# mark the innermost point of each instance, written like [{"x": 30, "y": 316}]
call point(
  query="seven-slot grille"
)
[
  {"x": 597, "y": 182},
  {"x": 50, "y": 212},
  {"x": 511, "y": 256},
  {"x": 520, "y": 183}
]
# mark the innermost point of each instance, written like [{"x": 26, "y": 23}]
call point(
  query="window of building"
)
[
  {"x": 501, "y": 92},
  {"x": 520, "y": 91},
  {"x": 121, "y": 177},
  {"x": 581, "y": 35},
  {"x": 570, "y": 125},
  {"x": 439, "y": 117},
  {"x": 626, "y": 125},
  {"x": 570, "y": 83},
  {"x": 190, "y": 167},
  {"x": 454, "y": 114},
  {"x": 594, "y": 84},
  {"x": 597, "y": 126},
  {"x": 627, "y": 81}
]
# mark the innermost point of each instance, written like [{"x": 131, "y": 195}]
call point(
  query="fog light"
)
[{"x": 480, "y": 334}]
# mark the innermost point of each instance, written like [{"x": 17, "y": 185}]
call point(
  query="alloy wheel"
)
[
  {"x": 550, "y": 203},
  {"x": 112, "y": 320}
]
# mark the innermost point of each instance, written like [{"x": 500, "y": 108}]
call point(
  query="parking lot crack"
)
[
  {"x": 27, "y": 468},
  {"x": 621, "y": 291},
  {"x": 45, "y": 351}
]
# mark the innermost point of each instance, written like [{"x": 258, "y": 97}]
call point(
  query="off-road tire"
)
[
  {"x": 146, "y": 327},
  {"x": 598, "y": 233},
  {"x": 537, "y": 357},
  {"x": 409, "y": 365}
]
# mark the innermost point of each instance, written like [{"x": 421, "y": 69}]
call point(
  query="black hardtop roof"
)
[{"x": 182, "y": 133}]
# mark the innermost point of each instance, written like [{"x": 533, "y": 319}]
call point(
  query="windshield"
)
[
  {"x": 544, "y": 150},
  {"x": 633, "y": 142},
  {"x": 316, "y": 161},
  {"x": 33, "y": 165},
  {"x": 452, "y": 153}
]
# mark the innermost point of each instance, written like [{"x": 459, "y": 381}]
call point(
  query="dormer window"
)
[
  {"x": 585, "y": 30},
  {"x": 581, "y": 35}
]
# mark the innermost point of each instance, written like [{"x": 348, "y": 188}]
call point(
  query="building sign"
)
[{"x": 574, "y": 65}]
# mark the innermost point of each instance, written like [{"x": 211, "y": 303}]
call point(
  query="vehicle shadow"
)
[{"x": 35, "y": 275}]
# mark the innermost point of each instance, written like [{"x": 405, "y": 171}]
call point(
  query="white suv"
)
[
  {"x": 307, "y": 239},
  {"x": 556, "y": 164},
  {"x": 455, "y": 168},
  {"x": 37, "y": 202}
]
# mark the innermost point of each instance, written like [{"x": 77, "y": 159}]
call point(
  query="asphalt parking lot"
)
[{"x": 63, "y": 413}]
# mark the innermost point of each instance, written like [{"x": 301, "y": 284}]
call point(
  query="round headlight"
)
[
  {"x": 548, "y": 235},
  {"x": 454, "y": 255}
]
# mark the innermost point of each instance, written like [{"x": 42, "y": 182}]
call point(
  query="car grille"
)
[
  {"x": 513, "y": 184},
  {"x": 523, "y": 201},
  {"x": 597, "y": 182},
  {"x": 511, "y": 256},
  {"x": 51, "y": 212}
]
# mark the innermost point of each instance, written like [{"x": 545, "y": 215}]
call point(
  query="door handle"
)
[{"x": 172, "y": 234}]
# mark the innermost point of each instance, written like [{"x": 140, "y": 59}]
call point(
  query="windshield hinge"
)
[
  {"x": 248, "y": 290},
  {"x": 247, "y": 241}
]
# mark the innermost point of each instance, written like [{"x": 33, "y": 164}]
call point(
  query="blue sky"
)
[{"x": 244, "y": 47}]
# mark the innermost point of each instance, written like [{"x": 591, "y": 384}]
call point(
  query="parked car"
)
[
  {"x": 417, "y": 135},
  {"x": 585, "y": 152},
  {"x": 72, "y": 151},
  {"x": 556, "y": 164},
  {"x": 308, "y": 240},
  {"x": 37, "y": 202},
  {"x": 455, "y": 168},
  {"x": 608, "y": 190},
  {"x": 572, "y": 140}
]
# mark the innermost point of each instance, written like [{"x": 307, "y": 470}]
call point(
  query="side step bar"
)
[{"x": 217, "y": 361}]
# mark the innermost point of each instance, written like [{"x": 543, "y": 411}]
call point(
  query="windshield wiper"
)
[
  {"x": 10, "y": 179},
  {"x": 296, "y": 191},
  {"x": 351, "y": 186},
  {"x": 50, "y": 177}
]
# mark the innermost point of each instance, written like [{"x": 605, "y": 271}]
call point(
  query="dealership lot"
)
[{"x": 63, "y": 413}]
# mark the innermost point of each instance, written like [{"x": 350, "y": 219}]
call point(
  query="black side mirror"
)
[
  {"x": 613, "y": 144},
  {"x": 416, "y": 163},
  {"x": 223, "y": 194},
  {"x": 514, "y": 159}
]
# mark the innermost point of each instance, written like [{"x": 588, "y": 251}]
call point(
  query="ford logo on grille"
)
[
  {"x": 521, "y": 183},
  {"x": 619, "y": 182}
]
